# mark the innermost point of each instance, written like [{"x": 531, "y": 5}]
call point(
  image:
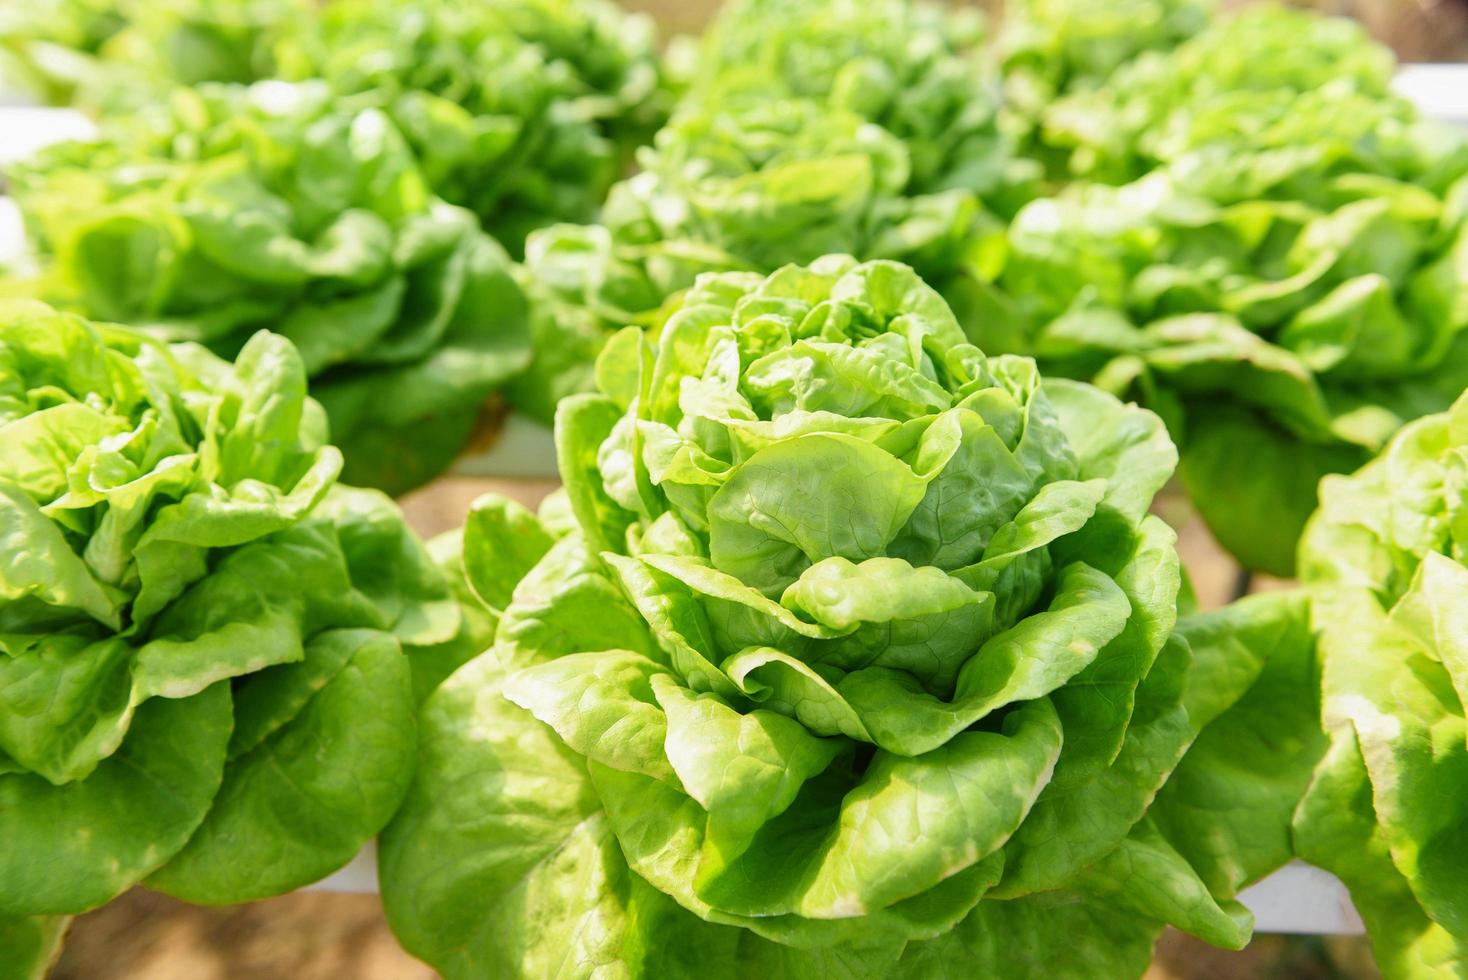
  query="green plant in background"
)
[
  {"x": 47, "y": 47},
  {"x": 914, "y": 68},
  {"x": 1387, "y": 555},
  {"x": 823, "y": 126},
  {"x": 234, "y": 208},
  {"x": 523, "y": 111},
  {"x": 188, "y": 42},
  {"x": 748, "y": 186},
  {"x": 584, "y": 284},
  {"x": 857, "y": 656},
  {"x": 202, "y": 686},
  {"x": 1231, "y": 83},
  {"x": 1047, "y": 49},
  {"x": 1287, "y": 289},
  {"x": 114, "y": 55}
]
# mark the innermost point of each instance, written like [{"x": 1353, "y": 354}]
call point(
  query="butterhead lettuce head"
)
[
  {"x": 1212, "y": 85},
  {"x": 813, "y": 127},
  {"x": 857, "y": 657},
  {"x": 201, "y": 678},
  {"x": 1048, "y": 48},
  {"x": 1287, "y": 291},
  {"x": 915, "y": 69},
  {"x": 229, "y": 209},
  {"x": 1387, "y": 555},
  {"x": 523, "y": 111}
]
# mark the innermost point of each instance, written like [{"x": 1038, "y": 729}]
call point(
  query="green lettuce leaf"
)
[{"x": 31, "y": 945}]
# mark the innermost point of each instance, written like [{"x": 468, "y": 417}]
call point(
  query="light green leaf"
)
[
  {"x": 137, "y": 808},
  {"x": 812, "y": 497},
  {"x": 303, "y": 801}
]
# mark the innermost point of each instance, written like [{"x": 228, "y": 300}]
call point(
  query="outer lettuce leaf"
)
[
  {"x": 1018, "y": 939},
  {"x": 31, "y": 945},
  {"x": 1227, "y": 808},
  {"x": 130, "y": 825},
  {"x": 279, "y": 801},
  {"x": 1336, "y": 828},
  {"x": 1256, "y": 511}
]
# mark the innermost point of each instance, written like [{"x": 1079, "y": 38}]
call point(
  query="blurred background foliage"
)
[{"x": 1419, "y": 30}]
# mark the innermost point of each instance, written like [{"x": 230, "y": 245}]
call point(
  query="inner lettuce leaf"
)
[
  {"x": 203, "y": 683},
  {"x": 861, "y": 657},
  {"x": 229, "y": 209},
  {"x": 1386, "y": 557}
]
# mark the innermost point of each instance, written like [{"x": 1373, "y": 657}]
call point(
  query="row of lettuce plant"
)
[
  {"x": 848, "y": 650},
  {"x": 523, "y": 111},
  {"x": 845, "y": 651},
  {"x": 1228, "y": 218}
]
